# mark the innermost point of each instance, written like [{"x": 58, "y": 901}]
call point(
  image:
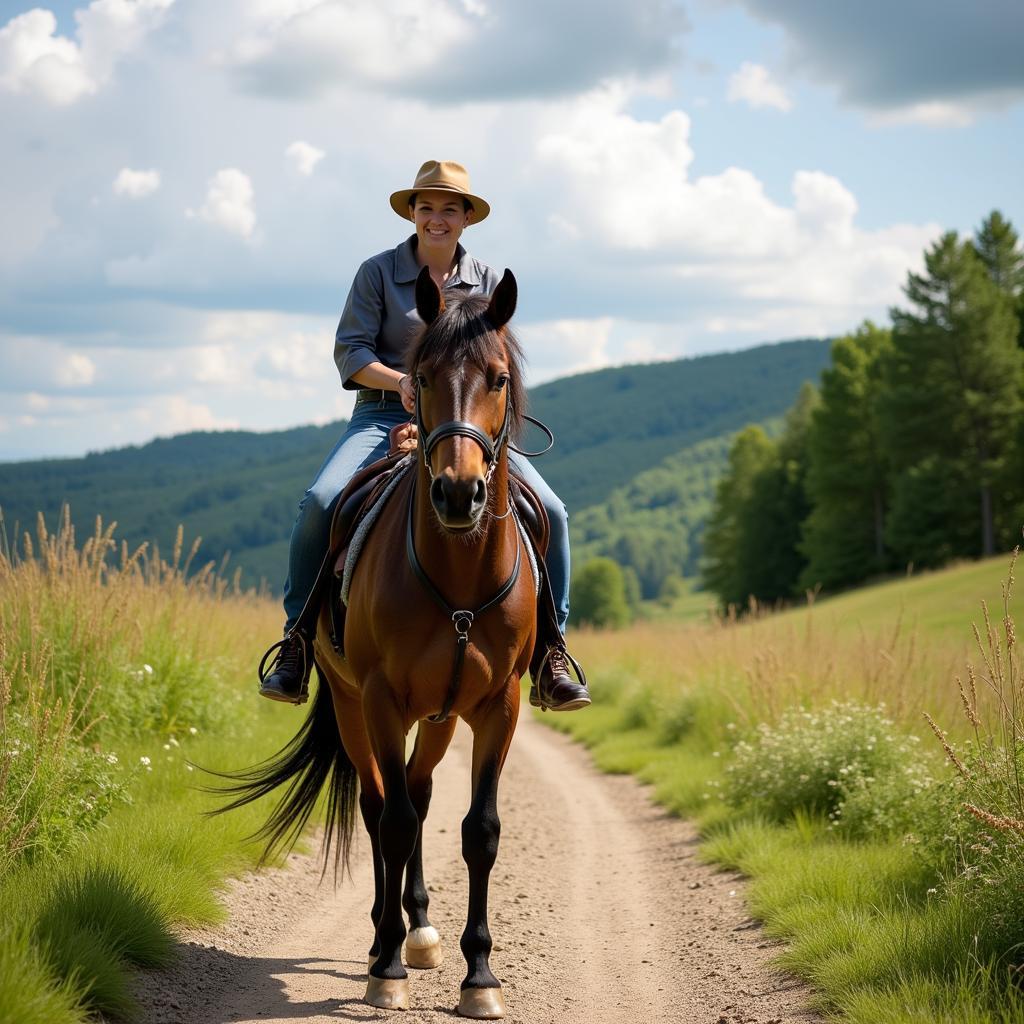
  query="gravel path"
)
[{"x": 600, "y": 914}]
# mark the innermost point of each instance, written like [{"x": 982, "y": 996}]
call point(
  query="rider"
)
[{"x": 369, "y": 350}]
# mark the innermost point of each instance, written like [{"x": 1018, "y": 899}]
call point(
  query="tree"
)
[
  {"x": 847, "y": 466},
  {"x": 598, "y": 596},
  {"x": 751, "y": 452},
  {"x": 952, "y": 381},
  {"x": 998, "y": 247}
]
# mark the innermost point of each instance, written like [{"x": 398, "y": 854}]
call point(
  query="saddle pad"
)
[{"x": 362, "y": 531}]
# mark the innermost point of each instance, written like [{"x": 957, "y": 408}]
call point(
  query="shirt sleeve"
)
[{"x": 355, "y": 343}]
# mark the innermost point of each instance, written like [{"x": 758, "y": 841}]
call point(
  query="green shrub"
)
[
  {"x": 847, "y": 761},
  {"x": 53, "y": 787}
]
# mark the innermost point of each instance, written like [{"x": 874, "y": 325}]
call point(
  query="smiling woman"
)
[{"x": 378, "y": 321}]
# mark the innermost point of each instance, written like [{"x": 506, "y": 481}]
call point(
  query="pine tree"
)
[
  {"x": 952, "y": 384},
  {"x": 998, "y": 246},
  {"x": 847, "y": 466}
]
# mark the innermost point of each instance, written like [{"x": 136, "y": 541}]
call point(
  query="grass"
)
[
  {"x": 888, "y": 925},
  {"x": 118, "y": 672}
]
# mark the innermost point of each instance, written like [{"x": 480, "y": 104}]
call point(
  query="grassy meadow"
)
[
  {"x": 892, "y": 867},
  {"x": 119, "y": 672}
]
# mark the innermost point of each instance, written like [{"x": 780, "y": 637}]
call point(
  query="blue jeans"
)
[{"x": 365, "y": 441}]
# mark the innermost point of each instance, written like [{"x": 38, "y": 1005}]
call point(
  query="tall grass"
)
[
  {"x": 117, "y": 671},
  {"x": 894, "y": 868}
]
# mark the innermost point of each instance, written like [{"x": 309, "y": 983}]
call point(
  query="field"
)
[{"x": 796, "y": 739}]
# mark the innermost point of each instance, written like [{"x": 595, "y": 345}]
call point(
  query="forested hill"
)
[
  {"x": 239, "y": 490},
  {"x": 615, "y": 423}
]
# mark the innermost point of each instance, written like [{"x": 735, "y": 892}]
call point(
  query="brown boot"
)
[{"x": 553, "y": 687}]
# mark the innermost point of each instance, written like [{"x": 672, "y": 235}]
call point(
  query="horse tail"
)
[{"x": 314, "y": 756}]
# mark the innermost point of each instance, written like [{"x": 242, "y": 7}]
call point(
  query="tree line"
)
[{"x": 911, "y": 452}]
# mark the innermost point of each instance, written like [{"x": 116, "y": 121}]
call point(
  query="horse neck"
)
[{"x": 467, "y": 572}]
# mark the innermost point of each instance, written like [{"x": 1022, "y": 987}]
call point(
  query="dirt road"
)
[{"x": 600, "y": 914}]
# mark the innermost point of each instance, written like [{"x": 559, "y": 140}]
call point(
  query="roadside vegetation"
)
[
  {"x": 119, "y": 671},
  {"x": 884, "y": 847}
]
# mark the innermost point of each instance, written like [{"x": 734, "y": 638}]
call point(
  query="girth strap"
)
[{"x": 462, "y": 618}]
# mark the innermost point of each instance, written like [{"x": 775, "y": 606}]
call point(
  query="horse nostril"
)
[
  {"x": 437, "y": 494},
  {"x": 480, "y": 495}
]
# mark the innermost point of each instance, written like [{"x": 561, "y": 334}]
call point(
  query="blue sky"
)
[{"x": 188, "y": 188}]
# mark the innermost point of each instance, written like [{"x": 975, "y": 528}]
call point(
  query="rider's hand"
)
[
  {"x": 402, "y": 438},
  {"x": 408, "y": 393}
]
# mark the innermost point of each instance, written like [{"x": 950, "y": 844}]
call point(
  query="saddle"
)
[{"x": 360, "y": 501}]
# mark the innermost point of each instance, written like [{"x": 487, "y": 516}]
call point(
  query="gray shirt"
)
[{"x": 380, "y": 313}]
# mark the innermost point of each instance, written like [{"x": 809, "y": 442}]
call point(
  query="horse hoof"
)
[
  {"x": 423, "y": 949},
  {"x": 387, "y": 993},
  {"x": 482, "y": 1003}
]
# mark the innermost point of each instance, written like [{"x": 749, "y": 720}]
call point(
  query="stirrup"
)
[
  {"x": 302, "y": 695},
  {"x": 581, "y": 677}
]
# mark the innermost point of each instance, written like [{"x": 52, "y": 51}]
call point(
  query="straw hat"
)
[{"x": 441, "y": 176}]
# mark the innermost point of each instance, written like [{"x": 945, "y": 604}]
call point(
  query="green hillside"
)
[{"x": 239, "y": 490}]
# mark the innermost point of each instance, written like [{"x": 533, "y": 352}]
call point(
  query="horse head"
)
[{"x": 467, "y": 369}]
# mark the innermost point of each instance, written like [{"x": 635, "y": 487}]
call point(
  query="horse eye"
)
[
  {"x": 501, "y": 382},
  {"x": 421, "y": 381}
]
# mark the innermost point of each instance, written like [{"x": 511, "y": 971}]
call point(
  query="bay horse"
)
[{"x": 440, "y": 625}]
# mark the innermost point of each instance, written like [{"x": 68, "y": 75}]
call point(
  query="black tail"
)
[{"x": 306, "y": 762}]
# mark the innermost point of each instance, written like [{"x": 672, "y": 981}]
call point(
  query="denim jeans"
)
[{"x": 365, "y": 441}]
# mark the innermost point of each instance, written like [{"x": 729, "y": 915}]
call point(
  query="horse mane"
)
[{"x": 462, "y": 333}]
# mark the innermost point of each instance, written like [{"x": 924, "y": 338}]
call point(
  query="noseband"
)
[{"x": 462, "y": 428}]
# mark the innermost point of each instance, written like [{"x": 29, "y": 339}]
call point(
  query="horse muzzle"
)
[{"x": 458, "y": 503}]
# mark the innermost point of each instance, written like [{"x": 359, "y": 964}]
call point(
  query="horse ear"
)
[
  {"x": 503, "y": 301},
  {"x": 429, "y": 300}
]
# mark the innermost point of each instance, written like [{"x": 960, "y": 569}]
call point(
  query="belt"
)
[{"x": 378, "y": 397}]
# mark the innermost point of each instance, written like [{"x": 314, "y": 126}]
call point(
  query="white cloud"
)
[
  {"x": 303, "y": 158},
  {"x": 35, "y": 60},
  {"x": 623, "y": 188},
  {"x": 75, "y": 371},
  {"x": 136, "y": 184},
  {"x": 753, "y": 84},
  {"x": 554, "y": 348},
  {"x": 229, "y": 200}
]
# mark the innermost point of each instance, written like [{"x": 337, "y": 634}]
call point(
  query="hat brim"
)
[{"x": 400, "y": 201}]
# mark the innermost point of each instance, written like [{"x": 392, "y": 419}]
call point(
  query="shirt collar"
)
[{"x": 407, "y": 268}]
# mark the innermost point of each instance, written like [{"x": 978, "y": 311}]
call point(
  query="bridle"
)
[
  {"x": 462, "y": 618},
  {"x": 463, "y": 428}
]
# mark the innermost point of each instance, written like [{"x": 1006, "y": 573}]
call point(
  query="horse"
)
[{"x": 443, "y": 633}]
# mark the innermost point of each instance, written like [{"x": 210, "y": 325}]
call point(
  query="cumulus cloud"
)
[
  {"x": 136, "y": 184},
  {"x": 452, "y": 50},
  {"x": 229, "y": 199},
  {"x": 303, "y": 158},
  {"x": 908, "y": 56},
  {"x": 35, "y": 60},
  {"x": 625, "y": 190},
  {"x": 753, "y": 84}
]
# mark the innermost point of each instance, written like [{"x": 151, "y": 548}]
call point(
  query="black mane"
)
[{"x": 462, "y": 333}]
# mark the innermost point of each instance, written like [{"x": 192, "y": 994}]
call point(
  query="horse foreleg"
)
[
  {"x": 387, "y": 984},
  {"x": 481, "y": 995},
  {"x": 423, "y": 946}
]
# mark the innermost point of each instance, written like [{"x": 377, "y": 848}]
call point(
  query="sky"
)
[{"x": 188, "y": 188}]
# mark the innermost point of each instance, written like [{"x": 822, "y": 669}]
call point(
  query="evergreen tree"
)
[
  {"x": 998, "y": 246},
  {"x": 751, "y": 452},
  {"x": 771, "y": 522},
  {"x": 847, "y": 466},
  {"x": 952, "y": 387},
  {"x": 598, "y": 595}
]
